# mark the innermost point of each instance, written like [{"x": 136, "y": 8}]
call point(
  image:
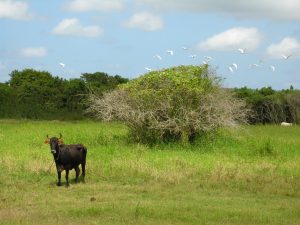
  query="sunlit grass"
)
[{"x": 245, "y": 176}]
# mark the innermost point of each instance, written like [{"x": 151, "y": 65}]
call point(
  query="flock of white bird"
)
[
  {"x": 207, "y": 59},
  {"x": 232, "y": 67}
]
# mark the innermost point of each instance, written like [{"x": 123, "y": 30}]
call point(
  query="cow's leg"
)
[
  {"x": 77, "y": 170},
  {"x": 83, "y": 170},
  {"x": 67, "y": 177},
  {"x": 59, "y": 178}
]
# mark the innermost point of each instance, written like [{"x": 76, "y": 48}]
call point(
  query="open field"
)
[{"x": 246, "y": 176}]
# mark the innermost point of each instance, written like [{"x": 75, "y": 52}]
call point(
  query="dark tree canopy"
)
[
  {"x": 270, "y": 106},
  {"x": 39, "y": 95},
  {"x": 100, "y": 82}
]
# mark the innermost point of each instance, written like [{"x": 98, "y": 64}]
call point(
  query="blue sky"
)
[{"x": 125, "y": 37}]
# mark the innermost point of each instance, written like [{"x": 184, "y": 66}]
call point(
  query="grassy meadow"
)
[{"x": 249, "y": 175}]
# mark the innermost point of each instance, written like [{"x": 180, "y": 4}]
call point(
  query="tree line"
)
[
  {"x": 35, "y": 94},
  {"x": 270, "y": 106},
  {"x": 39, "y": 95}
]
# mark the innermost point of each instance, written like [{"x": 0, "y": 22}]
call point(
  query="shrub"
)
[{"x": 178, "y": 103}]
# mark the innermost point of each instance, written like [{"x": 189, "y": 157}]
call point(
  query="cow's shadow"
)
[{"x": 71, "y": 182}]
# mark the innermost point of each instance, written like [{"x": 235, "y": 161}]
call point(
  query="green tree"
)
[
  {"x": 270, "y": 106},
  {"x": 7, "y": 101},
  {"x": 101, "y": 82},
  {"x": 38, "y": 93},
  {"x": 75, "y": 95}
]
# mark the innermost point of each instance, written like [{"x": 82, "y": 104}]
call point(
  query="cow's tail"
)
[{"x": 84, "y": 152}]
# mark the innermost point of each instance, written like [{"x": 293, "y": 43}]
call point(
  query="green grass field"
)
[{"x": 246, "y": 176}]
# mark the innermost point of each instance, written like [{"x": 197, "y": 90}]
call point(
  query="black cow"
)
[{"x": 67, "y": 157}]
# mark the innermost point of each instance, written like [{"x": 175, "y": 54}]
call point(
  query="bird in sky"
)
[
  {"x": 171, "y": 52},
  {"x": 242, "y": 50},
  {"x": 253, "y": 65},
  {"x": 158, "y": 57},
  {"x": 286, "y": 56},
  {"x": 272, "y": 68},
  {"x": 62, "y": 65},
  {"x": 234, "y": 65},
  {"x": 208, "y": 58},
  {"x": 148, "y": 69},
  {"x": 184, "y": 48},
  {"x": 193, "y": 56}
]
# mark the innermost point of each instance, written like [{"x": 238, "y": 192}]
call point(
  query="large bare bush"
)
[{"x": 173, "y": 104}]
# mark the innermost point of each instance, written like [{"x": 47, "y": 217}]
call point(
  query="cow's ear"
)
[
  {"x": 47, "y": 141},
  {"x": 60, "y": 141}
]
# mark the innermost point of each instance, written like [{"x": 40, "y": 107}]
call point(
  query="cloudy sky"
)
[{"x": 127, "y": 37}]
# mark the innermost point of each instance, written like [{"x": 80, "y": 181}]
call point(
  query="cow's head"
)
[{"x": 54, "y": 143}]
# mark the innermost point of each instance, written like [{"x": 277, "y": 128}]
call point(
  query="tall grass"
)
[{"x": 245, "y": 176}]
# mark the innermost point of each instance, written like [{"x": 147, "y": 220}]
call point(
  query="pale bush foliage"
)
[{"x": 160, "y": 111}]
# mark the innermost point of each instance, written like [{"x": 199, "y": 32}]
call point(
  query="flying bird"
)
[
  {"x": 171, "y": 52},
  {"x": 62, "y": 65},
  {"x": 193, "y": 56},
  {"x": 272, "y": 68},
  {"x": 208, "y": 58},
  {"x": 286, "y": 56},
  {"x": 242, "y": 50},
  {"x": 148, "y": 69},
  {"x": 234, "y": 65},
  {"x": 158, "y": 57},
  {"x": 253, "y": 65},
  {"x": 184, "y": 48}
]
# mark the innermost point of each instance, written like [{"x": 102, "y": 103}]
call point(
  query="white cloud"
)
[
  {"x": 16, "y": 10},
  {"x": 278, "y": 10},
  {"x": 145, "y": 21},
  {"x": 95, "y": 5},
  {"x": 286, "y": 47},
  {"x": 233, "y": 39},
  {"x": 33, "y": 52},
  {"x": 72, "y": 27}
]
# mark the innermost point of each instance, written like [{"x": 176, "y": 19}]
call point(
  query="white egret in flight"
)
[
  {"x": 234, "y": 65},
  {"x": 242, "y": 50},
  {"x": 230, "y": 68},
  {"x": 286, "y": 56},
  {"x": 208, "y": 58},
  {"x": 171, "y": 52},
  {"x": 158, "y": 57},
  {"x": 253, "y": 65}
]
